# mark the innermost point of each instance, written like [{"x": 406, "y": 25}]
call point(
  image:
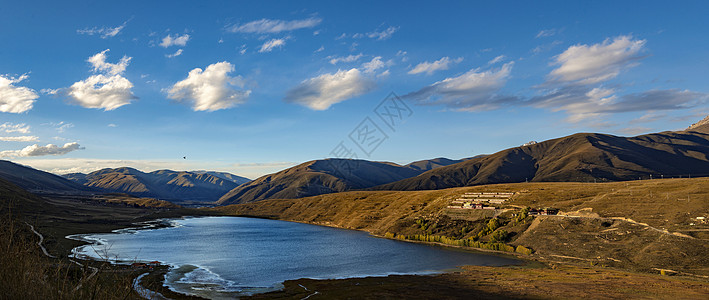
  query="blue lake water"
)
[{"x": 224, "y": 257}]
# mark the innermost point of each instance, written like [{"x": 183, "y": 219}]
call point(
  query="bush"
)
[
  {"x": 499, "y": 236},
  {"x": 523, "y": 250}
]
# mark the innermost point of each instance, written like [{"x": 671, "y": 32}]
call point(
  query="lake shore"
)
[{"x": 106, "y": 219}]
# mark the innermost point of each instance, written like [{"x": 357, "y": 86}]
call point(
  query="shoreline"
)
[{"x": 160, "y": 223}]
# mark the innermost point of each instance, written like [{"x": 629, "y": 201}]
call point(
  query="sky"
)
[{"x": 253, "y": 87}]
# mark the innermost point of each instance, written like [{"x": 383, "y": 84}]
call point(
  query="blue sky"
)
[{"x": 252, "y": 88}]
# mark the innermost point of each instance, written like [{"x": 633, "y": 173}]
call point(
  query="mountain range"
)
[
  {"x": 199, "y": 186},
  {"x": 326, "y": 176},
  {"x": 578, "y": 157}
]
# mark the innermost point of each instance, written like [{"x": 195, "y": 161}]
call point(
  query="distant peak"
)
[{"x": 703, "y": 122}]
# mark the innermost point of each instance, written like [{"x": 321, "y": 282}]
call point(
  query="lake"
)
[{"x": 224, "y": 257}]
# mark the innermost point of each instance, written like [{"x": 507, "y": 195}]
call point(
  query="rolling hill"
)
[
  {"x": 580, "y": 157},
  {"x": 37, "y": 181},
  {"x": 162, "y": 184},
  {"x": 326, "y": 176}
]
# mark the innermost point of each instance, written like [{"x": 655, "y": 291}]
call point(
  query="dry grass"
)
[{"x": 26, "y": 273}]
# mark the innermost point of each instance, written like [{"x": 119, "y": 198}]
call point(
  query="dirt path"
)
[
  {"x": 626, "y": 220},
  {"x": 41, "y": 240},
  {"x": 94, "y": 270}
]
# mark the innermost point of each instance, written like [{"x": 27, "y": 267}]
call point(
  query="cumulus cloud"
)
[
  {"x": 19, "y": 128},
  {"x": 15, "y": 99},
  {"x": 268, "y": 46},
  {"x": 23, "y": 138},
  {"x": 210, "y": 89},
  {"x": 431, "y": 67},
  {"x": 321, "y": 92},
  {"x": 177, "y": 40},
  {"x": 109, "y": 90},
  {"x": 586, "y": 64},
  {"x": 98, "y": 61},
  {"x": 346, "y": 59},
  {"x": 105, "y": 32},
  {"x": 36, "y": 150},
  {"x": 274, "y": 26},
  {"x": 472, "y": 91}
]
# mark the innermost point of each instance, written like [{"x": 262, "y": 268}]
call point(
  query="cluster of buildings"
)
[
  {"x": 149, "y": 265},
  {"x": 480, "y": 200}
]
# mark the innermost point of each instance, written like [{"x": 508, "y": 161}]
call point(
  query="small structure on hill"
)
[{"x": 480, "y": 200}]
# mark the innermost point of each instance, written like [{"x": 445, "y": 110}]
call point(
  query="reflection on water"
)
[{"x": 218, "y": 257}]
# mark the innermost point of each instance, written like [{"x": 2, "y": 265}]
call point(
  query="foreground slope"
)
[
  {"x": 37, "y": 181},
  {"x": 163, "y": 184},
  {"x": 580, "y": 157}
]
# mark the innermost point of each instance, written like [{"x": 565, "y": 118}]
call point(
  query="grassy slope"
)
[{"x": 613, "y": 242}]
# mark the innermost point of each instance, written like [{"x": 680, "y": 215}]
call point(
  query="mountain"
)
[
  {"x": 226, "y": 176},
  {"x": 579, "y": 157},
  {"x": 17, "y": 201},
  {"x": 701, "y": 126},
  {"x": 37, "y": 181},
  {"x": 162, "y": 184},
  {"x": 319, "y": 177},
  {"x": 430, "y": 164}
]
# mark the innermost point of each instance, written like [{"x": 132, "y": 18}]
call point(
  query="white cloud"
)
[
  {"x": 15, "y": 99},
  {"x": 112, "y": 125},
  {"x": 211, "y": 89},
  {"x": 546, "y": 33},
  {"x": 19, "y": 128},
  {"x": 99, "y": 91},
  {"x": 583, "y": 103},
  {"x": 274, "y": 26},
  {"x": 105, "y": 32},
  {"x": 431, "y": 67},
  {"x": 346, "y": 59},
  {"x": 62, "y": 126},
  {"x": 497, "y": 59},
  {"x": 322, "y": 48},
  {"x": 596, "y": 63},
  {"x": 98, "y": 61},
  {"x": 375, "y": 64},
  {"x": 36, "y": 150},
  {"x": 384, "y": 34},
  {"x": 320, "y": 92},
  {"x": 177, "y": 40},
  {"x": 24, "y": 138},
  {"x": 177, "y": 53},
  {"x": 269, "y": 45},
  {"x": 109, "y": 90},
  {"x": 475, "y": 90}
]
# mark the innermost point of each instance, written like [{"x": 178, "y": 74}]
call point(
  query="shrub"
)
[{"x": 523, "y": 250}]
